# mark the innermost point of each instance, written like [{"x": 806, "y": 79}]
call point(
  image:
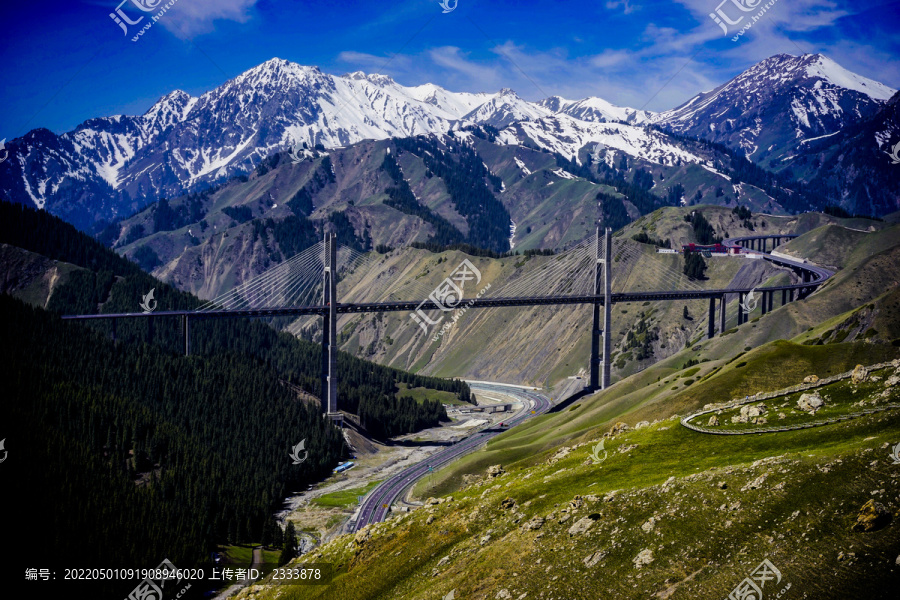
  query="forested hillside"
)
[
  {"x": 464, "y": 174},
  {"x": 128, "y": 454}
]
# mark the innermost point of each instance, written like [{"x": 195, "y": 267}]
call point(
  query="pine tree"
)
[{"x": 289, "y": 547}]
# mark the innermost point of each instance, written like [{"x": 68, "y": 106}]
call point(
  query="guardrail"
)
[{"x": 686, "y": 421}]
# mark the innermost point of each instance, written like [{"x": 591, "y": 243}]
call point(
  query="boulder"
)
[
  {"x": 644, "y": 557},
  {"x": 534, "y": 524},
  {"x": 503, "y": 594},
  {"x": 495, "y": 471},
  {"x": 757, "y": 411},
  {"x": 599, "y": 555},
  {"x": 872, "y": 517},
  {"x": 811, "y": 379},
  {"x": 810, "y": 402},
  {"x": 508, "y": 504},
  {"x": 581, "y": 526},
  {"x": 618, "y": 428},
  {"x": 751, "y": 412},
  {"x": 713, "y": 421},
  {"x": 642, "y": 424},
  {"x": 755, "y": 484},
  {"x": 576, "y": 502},
  {"x": 860, "y": 374},
  {"x": 562, "y": 453}
]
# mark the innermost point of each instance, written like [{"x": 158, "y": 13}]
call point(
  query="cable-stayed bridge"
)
[{"x": 586, "y": 273}]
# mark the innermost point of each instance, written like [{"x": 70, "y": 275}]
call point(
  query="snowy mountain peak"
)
[
  {"x": 778, "y": 104},
  {"x": 171, "y": 108},
  {"x": 819, "y": 66},
  {"x": 376, "y": 78},
  {"x": 595, "y": 110}
]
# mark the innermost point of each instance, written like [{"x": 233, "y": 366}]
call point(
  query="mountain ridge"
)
[{"x": 110, "y": 167}]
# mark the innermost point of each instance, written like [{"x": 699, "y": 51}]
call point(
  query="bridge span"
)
[{"x": 812, "y": 276}]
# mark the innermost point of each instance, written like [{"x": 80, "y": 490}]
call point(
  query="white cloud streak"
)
[{"x": 188, "y": 18}]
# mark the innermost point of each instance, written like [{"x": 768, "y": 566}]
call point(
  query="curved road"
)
[
  {"x": 374, "y": 505},
  {"x": 820, "y": 273}
]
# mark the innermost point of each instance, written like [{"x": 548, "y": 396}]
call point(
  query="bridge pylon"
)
[
  {"x": 329, "y": 327},
  {"x": 600, "y": 367}
]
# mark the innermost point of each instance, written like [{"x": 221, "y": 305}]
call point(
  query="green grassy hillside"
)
[{"x": 666, "y": 512}]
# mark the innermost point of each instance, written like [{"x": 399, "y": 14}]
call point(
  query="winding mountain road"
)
[{"x": 375, "y": 505}]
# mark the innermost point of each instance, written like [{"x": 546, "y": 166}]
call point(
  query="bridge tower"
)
[
  {"x": 329, "y": 328},
  {"x": 602, "y": 287}
]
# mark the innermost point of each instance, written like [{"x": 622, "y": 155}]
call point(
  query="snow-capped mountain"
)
[
  {"x": 504, "y": 109},
  {"x": 774, "y": 107},
  {"x": 596, "y": 110},
  {"x": 566, "y": 135},
  {"x": 109, "y": 167}
]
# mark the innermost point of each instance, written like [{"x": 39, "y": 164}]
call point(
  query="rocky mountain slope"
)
[
  {"x": 771, "y": 110},
  {"x": 858, "y": 165}
]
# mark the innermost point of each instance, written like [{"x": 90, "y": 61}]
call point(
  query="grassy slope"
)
[
  {"x": 704, "y": 539},
  {"x": 344, "y": 498},
  {"x": 420, "y": 394}
]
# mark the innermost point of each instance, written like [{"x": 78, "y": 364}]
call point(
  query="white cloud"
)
[
  {"x": 188, "y": 18},
  {"x": 450, "y": 57},
  {"x": 627, "y": 6}
]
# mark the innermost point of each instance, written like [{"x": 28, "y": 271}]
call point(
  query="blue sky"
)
[{"x": 65, "y": 62}]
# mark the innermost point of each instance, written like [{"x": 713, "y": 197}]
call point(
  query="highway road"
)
[{"x": 375, "y": 505}]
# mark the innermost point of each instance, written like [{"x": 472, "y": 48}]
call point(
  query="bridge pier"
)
[
  {"x": 329, "y": 327},
  {"x": 186, "y": 324},
  {"x": 742, "y": 318},
  {"x": 601, "y": 367},
  {"x": 607, "y": 306},
  {"x": 764, "y": 303},
  {"x": 722, "y": 304},
  {"x": 783, "y": 297},
  {"x": 711, "y": 326},
  {"x": 596, "y": 332}
]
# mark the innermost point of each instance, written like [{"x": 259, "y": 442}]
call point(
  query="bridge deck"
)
[{"x": 819, "y": 275}]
